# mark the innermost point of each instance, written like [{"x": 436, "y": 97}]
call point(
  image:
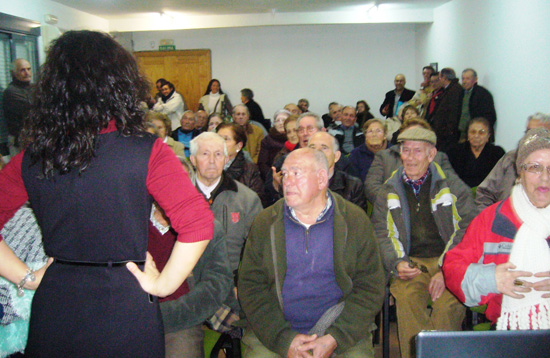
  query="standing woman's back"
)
[{"x": 91, "y": 172}]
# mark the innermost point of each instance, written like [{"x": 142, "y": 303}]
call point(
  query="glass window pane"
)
[
  {"x": 25, "y": 47},
  {"x": 5, "y": 79}
]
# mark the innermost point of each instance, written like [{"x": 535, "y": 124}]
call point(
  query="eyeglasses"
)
[
  {"x": 535, "y": 168},
  {"x": 309, "y": 129},
  {"x": 374, "y": 131},
  {"x": 480, "y": 132}
]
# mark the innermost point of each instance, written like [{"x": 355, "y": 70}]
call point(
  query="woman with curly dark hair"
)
[{"x": 91, "y": 173}]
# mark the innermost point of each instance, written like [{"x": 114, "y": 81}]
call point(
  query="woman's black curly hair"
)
[{"x": 87, "y": 80}]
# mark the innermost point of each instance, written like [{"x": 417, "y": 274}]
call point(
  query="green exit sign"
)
[{"x": 167, "y": 47}]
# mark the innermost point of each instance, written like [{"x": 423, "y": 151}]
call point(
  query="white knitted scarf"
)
[{"x": 530, "y": 252}]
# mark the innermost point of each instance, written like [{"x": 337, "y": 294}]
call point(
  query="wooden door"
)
[{"x": 189, "y": 71}]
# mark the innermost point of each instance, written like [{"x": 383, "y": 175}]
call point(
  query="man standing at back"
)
[
  {"x": 444, "y": 118},
  {"x": 170, "y": 103},
  {"x": 396, "y": 97},
  {"x": 256, "y": 114},
  {"x": 16, "y": 102},
  {"x": 477, "y": 101},
  {"x": 311, "y": 279}
]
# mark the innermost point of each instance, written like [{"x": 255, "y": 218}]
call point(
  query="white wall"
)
[
  {"x": 323, "y": 63},
  {"x": 507, "y": 42},
  {"x": 69, "y": 18}
]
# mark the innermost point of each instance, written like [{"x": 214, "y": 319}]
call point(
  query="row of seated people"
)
[
  {"x": 412, "y": 252},
  {"x": 314, "y": 268},
  {"x": 452, "y": 311},
  {"x": 472, "y": 159}
]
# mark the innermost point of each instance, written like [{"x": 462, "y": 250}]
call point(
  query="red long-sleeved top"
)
[{"x": 167, "y": 182}]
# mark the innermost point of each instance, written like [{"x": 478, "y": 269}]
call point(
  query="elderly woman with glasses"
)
[
  {"x": 474, "y": 159},
  {"x": 375, "y": 140},
  {"x": 504, "y": 258}
]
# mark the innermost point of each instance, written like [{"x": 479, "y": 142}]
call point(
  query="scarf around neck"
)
[
  {"x": 165, "y": 98},
  {"x": 530, "y": 252}
]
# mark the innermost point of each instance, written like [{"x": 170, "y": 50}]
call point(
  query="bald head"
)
[
  {"x": 400, "y": 82},
  {"x": 21, "y": 70},
  {"x": 328, "y": 145}
]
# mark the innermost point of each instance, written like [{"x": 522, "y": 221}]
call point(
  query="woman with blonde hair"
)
[{"x": 163, "y": 125}]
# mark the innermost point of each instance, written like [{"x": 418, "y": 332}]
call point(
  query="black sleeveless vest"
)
[{"x": 102, "y": 213}]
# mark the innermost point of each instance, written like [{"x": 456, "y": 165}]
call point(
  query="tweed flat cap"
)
[{"x": 418, "y": 134}]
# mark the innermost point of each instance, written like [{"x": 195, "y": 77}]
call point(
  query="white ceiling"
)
[
  {"x": 117, "y": 8},
  {"x": 141, "y": 15}
]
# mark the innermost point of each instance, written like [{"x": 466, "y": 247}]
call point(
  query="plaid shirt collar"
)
[
  {"x": 327, "y": 206},
  {"x": 416, "y": 184}
]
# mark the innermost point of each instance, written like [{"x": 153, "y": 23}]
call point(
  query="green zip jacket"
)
[{"x": 357, "y": 267}]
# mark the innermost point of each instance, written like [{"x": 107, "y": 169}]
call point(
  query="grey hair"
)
[
  {"x": 539, "y": 117},
  {"x": 470, "y": 69},
  {"x": 448, "y": 73},
  {"x": 335, "y": 144},
  {"x": 242, "y": 105},
  {"x": 15, "y": 62},
  {"x": 188, "y": 167},
  {"x": 247, "y": 93},
  {"x": 189, "y": 111},
  {"x": 206, "y": 137},
  {"x": 280, "y": 111},
  {"x": 318, "y": 121},
  {"x": 352, "y": 107}
]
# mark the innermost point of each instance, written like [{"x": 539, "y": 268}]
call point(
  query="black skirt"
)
[{"x": 91, "y": 311}]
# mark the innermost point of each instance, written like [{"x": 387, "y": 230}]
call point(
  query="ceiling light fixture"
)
[{"x": 373, "y": 11}]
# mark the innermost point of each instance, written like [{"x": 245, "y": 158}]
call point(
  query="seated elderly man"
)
[
  {"x": 311, "y": 279},
  {"x": 388, "y": 160},
  {"x": 201, "y": 122},
  {"x": 202, "y": 293},
  {"x": 308, "y": 124},
  {"x": 186, "y": 131},
  {"x": 350, "y": 187},
  {"x": 441, "y": 207},
  {"x": 233, "y": 204},
  {"x": 348, "y": 134}
]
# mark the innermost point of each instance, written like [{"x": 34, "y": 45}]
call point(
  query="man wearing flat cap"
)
[{"x": 421, "y": 212}]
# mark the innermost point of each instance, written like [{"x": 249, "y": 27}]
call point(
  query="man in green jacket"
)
[
  {"x": 311, "y": 279},
  {"x": 421, "y": 212}
]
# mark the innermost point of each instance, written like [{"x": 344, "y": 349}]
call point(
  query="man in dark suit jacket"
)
[
  {"x": 445, "y": 117},
  {"x": 389, "y": 106},
  {"x": 480, "y": 101}
]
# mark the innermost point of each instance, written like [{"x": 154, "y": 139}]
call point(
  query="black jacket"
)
[
  {"x": 445, "y": 117},
  {"x": 482, "y": 104},
  {"x": 389, "y": 101},
  {"x": 349, "y": 187},
  {"x": 247, "y": 173},
  {"x": 256, "y": 114},
  {"x": 358, "y": 137}
]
